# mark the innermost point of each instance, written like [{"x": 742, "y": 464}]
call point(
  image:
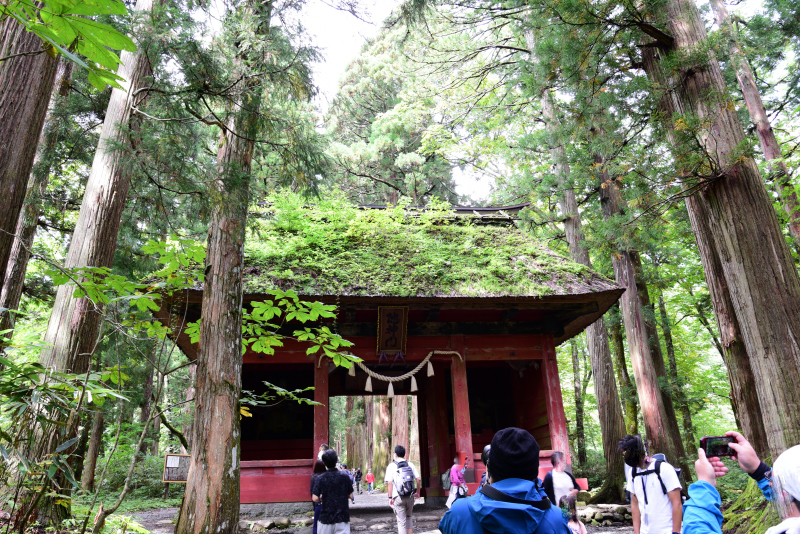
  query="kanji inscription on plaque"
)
[
  {"x": 176, "y": 468},
  {"x": 392, "y": 329}
]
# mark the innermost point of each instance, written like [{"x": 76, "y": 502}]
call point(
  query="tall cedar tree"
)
[
  {"x": 755, "y": 106},
  {"x": 612, "y": 424},
  {"x": 73, "y": 330},
  {"x": 11, "y": 290},
  {"x": 26, "y": 82},
  {"x": 739, "y": 227}
]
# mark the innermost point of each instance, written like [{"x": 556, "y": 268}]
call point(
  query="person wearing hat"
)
[
  {"x": 512, "y": 502},
  {"x": 780, "y": 485}
]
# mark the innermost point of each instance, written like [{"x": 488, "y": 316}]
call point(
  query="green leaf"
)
[
  {"x": 98, "y": 7},
  {"x": 102, "y": 34},
  {"x": 67, "y": 444}
]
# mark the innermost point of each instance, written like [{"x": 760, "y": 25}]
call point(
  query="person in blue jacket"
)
[
  {"x": 519, "y": 506},
  {"x": 780, "y": 485}
]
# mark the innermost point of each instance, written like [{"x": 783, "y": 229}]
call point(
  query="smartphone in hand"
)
[{"x": 717, "y": 446}]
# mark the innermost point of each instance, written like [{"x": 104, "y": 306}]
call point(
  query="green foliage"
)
[
  {"x": 334, "y": 248},
  {"x": 64, "y": 27}
]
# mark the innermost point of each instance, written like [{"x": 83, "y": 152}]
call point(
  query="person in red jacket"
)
[{"x": 370, "y": 480}]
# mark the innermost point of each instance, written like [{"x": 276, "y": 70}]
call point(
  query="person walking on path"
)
[
  {"x": 457, "y": 485},
  {"x": 780, "y": 485},
  {"x": 336, "y": 488},
  {"x": 559, "y": 482},
  {"x": 402, "y": 483},
  {"x": 370, "y": 480},
  {"x": 352, "y": 477},
  {"x": 359, "y": 476},
  {"x": 322, "y": 449},
  {"x": 655, "y": 490},
  {"x": 512, "y": 502},
  {"x": 319, "y": 468}
]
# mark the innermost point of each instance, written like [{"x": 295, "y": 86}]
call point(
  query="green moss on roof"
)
[{"x": 333, "y": 248}]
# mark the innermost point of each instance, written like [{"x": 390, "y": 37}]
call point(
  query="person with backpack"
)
[
  {"x": 779, "y": 484},
  {"x": 458, "y": 488},
  {"x": 333, "y": 489},
  {"x": 512, "y": 502},
  {"x": 402, "y": 483},
  {"x": 655, "y": 490},
  {"x": 559, "y": 482},
  {"x": 358, "y": 479}
]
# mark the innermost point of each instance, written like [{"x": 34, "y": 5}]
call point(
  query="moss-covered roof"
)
[{"x": 336, "y": 249}]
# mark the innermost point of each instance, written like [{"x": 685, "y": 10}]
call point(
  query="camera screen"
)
[{"x": 718, "y": 446}]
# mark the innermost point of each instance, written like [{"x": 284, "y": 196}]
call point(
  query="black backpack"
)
[
  {"x": 404, "y": 480},
  {"x": 657, "y": 470}
]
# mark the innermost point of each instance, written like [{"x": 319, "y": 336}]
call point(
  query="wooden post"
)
[
  {"x": 438, "y": 442},
  {"x": 320, "y": 411},
  {"x": 557, "y": 420},
  {"x": 463, "y": 426}
]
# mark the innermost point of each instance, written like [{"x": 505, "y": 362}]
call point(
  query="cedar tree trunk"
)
[
  {"x": 11, "y": 291},
  {"x": 766, "y": 136},
  {"x": 25, "y": 86},
  {"x": 661, "y": 428},
  {"x": 95, "y": 442},
  {"x": 627, "y": 389},
  {"x": 612, "y": 424},
  {"x": 732, "y": 206},
  {"x": 399, "y": 423},
  {"x": 413, "y": 440},
  {"x": 211, "y": 499},
  {"x": 580, "y": 434},
  {"x": 677, "y": 383},
  {"x": 381, "y": 426}
]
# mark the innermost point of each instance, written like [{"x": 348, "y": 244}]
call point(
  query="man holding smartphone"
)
[{"x": 655, "y": 490}]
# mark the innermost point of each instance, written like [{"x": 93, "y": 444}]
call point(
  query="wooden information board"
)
[{"x": 176, "y": 468}]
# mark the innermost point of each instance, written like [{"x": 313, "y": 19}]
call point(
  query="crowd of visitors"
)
[{"x": 512, "y": 499}]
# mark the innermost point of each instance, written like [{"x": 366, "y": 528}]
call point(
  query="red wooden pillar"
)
[
  {"x": 438, "y": 435},
  {"x": 321, "y": 410},
  {"x": 557, "y": 420},
  {"x": 463, "y": 426}
]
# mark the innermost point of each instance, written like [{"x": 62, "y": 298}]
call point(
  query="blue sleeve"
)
[
  {"x": 701, "y": 514},
  {"x": 762, "y": 477},
  {"x": 765, "y": 488}
]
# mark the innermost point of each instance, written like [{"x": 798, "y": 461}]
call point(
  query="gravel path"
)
[{"x": 370, "y": 514}]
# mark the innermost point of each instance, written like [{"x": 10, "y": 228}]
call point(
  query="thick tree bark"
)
[
  {"x": 627, "y": 389},
  {"x": 211, "y": 498},
  {"x": 381, "y": 426},
  {"x": 188, "y": 408},
  {"x": 735, "y": 211},
  {"x": 95, "y": 442},
  {"x": 369, "y": 438},
  {"x": 80, "y": 451},
  {"x": 612, "y": 425},
  {"x": 744, "y": 393},
  {"x": 11, "y": 289},
  {"x": 577, "y": 386},
  {"x": 74, "y": 323},
  {"x": 679, "y": 396},
  {"x": 766, "y": 136},
  {"x": 350, "y": 432},
  {"x": 399, "y": 422},
  {"x": 25, "y": 86},
  {"x": 661, "y": 428},
  {"x": 413, "y": 440}
]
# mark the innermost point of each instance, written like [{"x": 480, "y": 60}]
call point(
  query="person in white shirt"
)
[
  {"x": 655, "y": 490},
  {"x": 403, "y": 505},
  {"x": 322, "y": 448},
  {"x": 559, "y": 482}
]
